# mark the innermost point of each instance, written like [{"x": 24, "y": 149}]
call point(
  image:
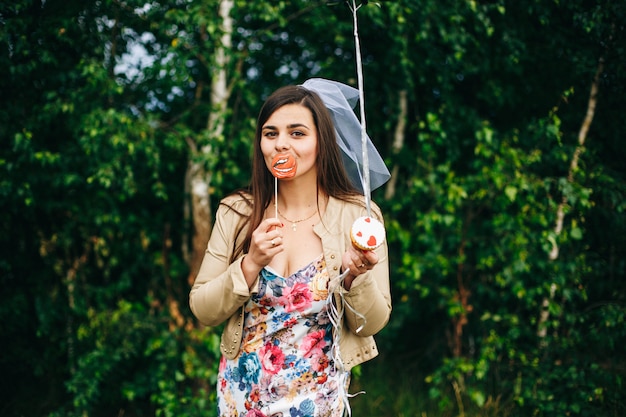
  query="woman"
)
[{"x": 270, "y": 281}]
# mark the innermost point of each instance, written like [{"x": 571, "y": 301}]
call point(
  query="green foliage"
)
[{"x": 105, "y": 101}]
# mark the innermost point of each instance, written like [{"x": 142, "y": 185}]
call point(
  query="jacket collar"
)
[{"x": 330, "y": 219}]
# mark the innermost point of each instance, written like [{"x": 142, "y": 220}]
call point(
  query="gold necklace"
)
[{"x": 295, "y": 222}]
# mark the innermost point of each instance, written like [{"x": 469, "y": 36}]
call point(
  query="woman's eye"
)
[
  {"x": 269, "y": 134},
  {"x": 297, "y": 133}
]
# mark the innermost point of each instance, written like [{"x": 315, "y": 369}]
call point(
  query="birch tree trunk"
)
[
  {"x": 544, "y": 315},
  {"x": 198, "y": 177},
  {"x": 398, "y": 142}
]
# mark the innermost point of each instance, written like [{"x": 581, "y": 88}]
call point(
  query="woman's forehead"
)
[{"x": 291, "y": 114}]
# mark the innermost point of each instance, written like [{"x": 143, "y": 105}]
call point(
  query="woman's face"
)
[{"x": 291, "y": 130}]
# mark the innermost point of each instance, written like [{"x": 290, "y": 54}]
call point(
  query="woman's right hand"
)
[{"x": 266, "y": 242}]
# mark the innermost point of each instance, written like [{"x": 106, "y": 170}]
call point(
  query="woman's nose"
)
[{"x": 282, "y": 141}]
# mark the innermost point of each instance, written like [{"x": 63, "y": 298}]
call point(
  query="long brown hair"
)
[{"x": 332, "y": 178}]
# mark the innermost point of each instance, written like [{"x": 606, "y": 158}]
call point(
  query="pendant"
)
[{"x": 293, "y": 226}]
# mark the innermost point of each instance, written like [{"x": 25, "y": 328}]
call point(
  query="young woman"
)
[{"x": 273, "y": 279}]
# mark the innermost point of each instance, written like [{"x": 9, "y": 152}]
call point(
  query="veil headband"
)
[{"x": 340, "y": 100}]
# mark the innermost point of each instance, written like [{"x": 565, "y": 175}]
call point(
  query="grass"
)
[{"x": 396, "y": 388}]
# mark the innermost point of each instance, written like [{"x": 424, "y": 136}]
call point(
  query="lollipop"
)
[{"x": 284, "y": 166}]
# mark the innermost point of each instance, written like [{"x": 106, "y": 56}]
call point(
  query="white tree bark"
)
[
  {"x": 544, "y": 315},
  {"x": 398, "y": 142},
  {"x": 198, "y": 176}
]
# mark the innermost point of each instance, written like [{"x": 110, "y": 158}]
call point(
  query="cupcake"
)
[{"x": 367, "y": 233}]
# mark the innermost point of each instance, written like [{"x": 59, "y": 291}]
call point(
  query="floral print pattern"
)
[{"x": 284, "y": 367}]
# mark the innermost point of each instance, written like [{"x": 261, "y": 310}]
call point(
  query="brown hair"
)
[{"x": 332, "y": 178}]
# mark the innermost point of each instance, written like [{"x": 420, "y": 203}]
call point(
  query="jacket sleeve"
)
[
  {"x": 370, "y": 296},
  {"x": 220, "y": 288}
]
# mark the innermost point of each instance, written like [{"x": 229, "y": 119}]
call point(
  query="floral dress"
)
[{"x": 284, "y": 367}]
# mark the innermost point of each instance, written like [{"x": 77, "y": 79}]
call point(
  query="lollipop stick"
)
[{"x": 275, "y": 197}]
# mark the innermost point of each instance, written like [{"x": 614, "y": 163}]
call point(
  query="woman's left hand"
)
[{"x": 358, "y": 262}]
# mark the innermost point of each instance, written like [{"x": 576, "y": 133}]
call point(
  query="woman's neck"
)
[{"x": 296, "y": 199}]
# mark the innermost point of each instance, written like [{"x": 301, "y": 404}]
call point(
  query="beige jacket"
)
[{"x": 220, "y": 290}]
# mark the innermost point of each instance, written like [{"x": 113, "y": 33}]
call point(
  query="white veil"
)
[{"x": 340, "y": 99}]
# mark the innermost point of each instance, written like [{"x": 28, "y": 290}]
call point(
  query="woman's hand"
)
[
  {"x": 358, "y": 262},
  {"x": 266, "y": 242}
]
